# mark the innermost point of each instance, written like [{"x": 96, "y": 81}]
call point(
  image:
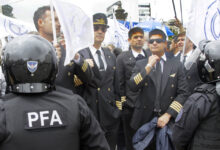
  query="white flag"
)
[
  {"x": 77, "y": 27},
  {"x": 131, "y": 7},
  {"x": 6, "y": 2},
  {"x": 204, "y": 21},
  {"x": 13, "y": 27},
  {"x": 121, "y": 35},
  {"x": 117, "y": 34}
]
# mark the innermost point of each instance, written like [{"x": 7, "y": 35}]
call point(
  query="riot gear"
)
[
  {"x": 209, "y": 61},
  {"x": 29, "y": 64}
]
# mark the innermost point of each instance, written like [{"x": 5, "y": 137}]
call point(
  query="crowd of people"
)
[{"x": 107, "y": 98}]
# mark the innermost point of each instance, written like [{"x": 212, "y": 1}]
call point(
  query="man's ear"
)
[
  {"x": 40, "y": 22},
  {"x": 129, "y": 39}
]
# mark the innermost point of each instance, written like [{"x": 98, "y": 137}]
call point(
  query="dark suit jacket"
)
[
  {"x": 174, "y": 91},
  {"x": 178, "y": 57},
  {"x": 101, "y": 93},
  {"x": 125, "y": 64},
  {"x": 65, "y": 77},
  {"x": 192, "y": 77}
]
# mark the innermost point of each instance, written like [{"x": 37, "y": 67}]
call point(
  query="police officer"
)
[
  {"x": 34, "y": 116},
  {"x": 197, "y": 126}
]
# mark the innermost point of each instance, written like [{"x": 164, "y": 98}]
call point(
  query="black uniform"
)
[
  {"x": 125, "y": 64},
  {"x": 101, "y": 94},
  {"x": 73, "y": 74},
  {"x": 197, "y": 127},
  {"x": 49, "y": 121},
  {"x": 173, "y": 91},
  {"x": 192, "y": 77}
]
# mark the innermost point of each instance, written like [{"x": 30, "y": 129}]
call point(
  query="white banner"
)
[
  {"x": 13, "y": 27},
  {"x": 204, "y": 21},
  {"x": 117, "y": 34},
  {"x": 6, "y": 2},
  {"x": 77, "y": 27}
]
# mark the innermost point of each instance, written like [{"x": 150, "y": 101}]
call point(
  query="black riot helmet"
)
[
  {"x": 209, "y": 61},
  {"x": 29, "y": 64}
]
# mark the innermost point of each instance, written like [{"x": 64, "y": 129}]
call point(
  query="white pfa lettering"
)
[
  {"x": 55, "y": 118},
  {"x": 43, "y": 117},
  {"x": 32, "y": 116}
]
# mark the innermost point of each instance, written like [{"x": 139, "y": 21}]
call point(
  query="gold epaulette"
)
[
  {"x": 123, "y": 99},
  {"x": 77, "y": 81},
  {"x": 176, "y": 106},
  {"x": 84, "y": 66},
  {"x": 119, "y": 105},
  {"x": 138, "y": 78}
]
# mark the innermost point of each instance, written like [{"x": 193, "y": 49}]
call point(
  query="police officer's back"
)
[
  {"x": 35, "y": 116},
  {"x": 197, "y": 127}
]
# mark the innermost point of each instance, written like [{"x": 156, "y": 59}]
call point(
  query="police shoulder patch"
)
[{"x": 44, "y": 119}]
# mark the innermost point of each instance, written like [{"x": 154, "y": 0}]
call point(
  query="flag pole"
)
[
  {"x": 181, "y": 11},
  {"x": 174, "y": 9},
  {"x": 53, "y": 23}
]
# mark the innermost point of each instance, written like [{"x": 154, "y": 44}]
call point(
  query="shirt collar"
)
[
  {"x": 164, "y": 57},
  {"x": 93, "y": 50},
  {"x": 189, "y": 53},
  {"x": 177, "y": 54},
  {"x": 135, "y": 54}
]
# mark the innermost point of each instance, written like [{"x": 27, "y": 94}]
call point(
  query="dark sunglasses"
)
[
  {"x": 151, "y": 41},
  {"x": 103, "y": 28}
]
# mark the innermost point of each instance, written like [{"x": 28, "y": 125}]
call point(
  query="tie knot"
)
[
  {"x": 158, "y": 66},
  {"x": 139, "y": 57},
  {"x": 98, "y": 52}
]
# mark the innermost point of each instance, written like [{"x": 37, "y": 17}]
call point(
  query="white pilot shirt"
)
[
  {"x": 163, "y": 59},
  {"x": 135, "y": 54},
  {"x": 95, "y": 56}
]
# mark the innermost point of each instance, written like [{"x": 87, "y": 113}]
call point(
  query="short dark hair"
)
[
  {"x": 134, "y": 30},
  {"x": 181, "y": 34},
  {"x": 157, "y": 31},
  {"x": 39, "y": 14}
]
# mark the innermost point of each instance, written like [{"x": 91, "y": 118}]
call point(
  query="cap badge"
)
[{"x": 99, "y": 21}]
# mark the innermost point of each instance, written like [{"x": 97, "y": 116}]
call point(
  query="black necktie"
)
[
  {"x": 158, "y": 73},
  {"x": 158, "y": 87},
  {"x": 184, "y": 59},
  {"x": 101, "y": 64},
  {"x": 158, "y": 67},
  {"x": 139, "y": 57}
]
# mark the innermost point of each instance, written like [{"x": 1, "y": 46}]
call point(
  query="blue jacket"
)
[{"x": 145, "y": 134}]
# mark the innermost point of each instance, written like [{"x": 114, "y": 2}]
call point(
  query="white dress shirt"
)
[
  {"x": 95, "y": 56},
  {"x": 188, "y": 55},
  {"x": 135, "y": 54},
  {"x": 163, "y": 59}
]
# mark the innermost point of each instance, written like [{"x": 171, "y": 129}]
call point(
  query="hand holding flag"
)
[{"x": 77, "y": 28}]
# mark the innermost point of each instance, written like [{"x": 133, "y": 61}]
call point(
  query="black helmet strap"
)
[{"x": 31, "y": 88}]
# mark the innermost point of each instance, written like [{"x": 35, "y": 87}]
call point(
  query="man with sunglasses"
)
[
  {"x": 162, "y": 84},
  {"x": 100, "y": 93}
]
